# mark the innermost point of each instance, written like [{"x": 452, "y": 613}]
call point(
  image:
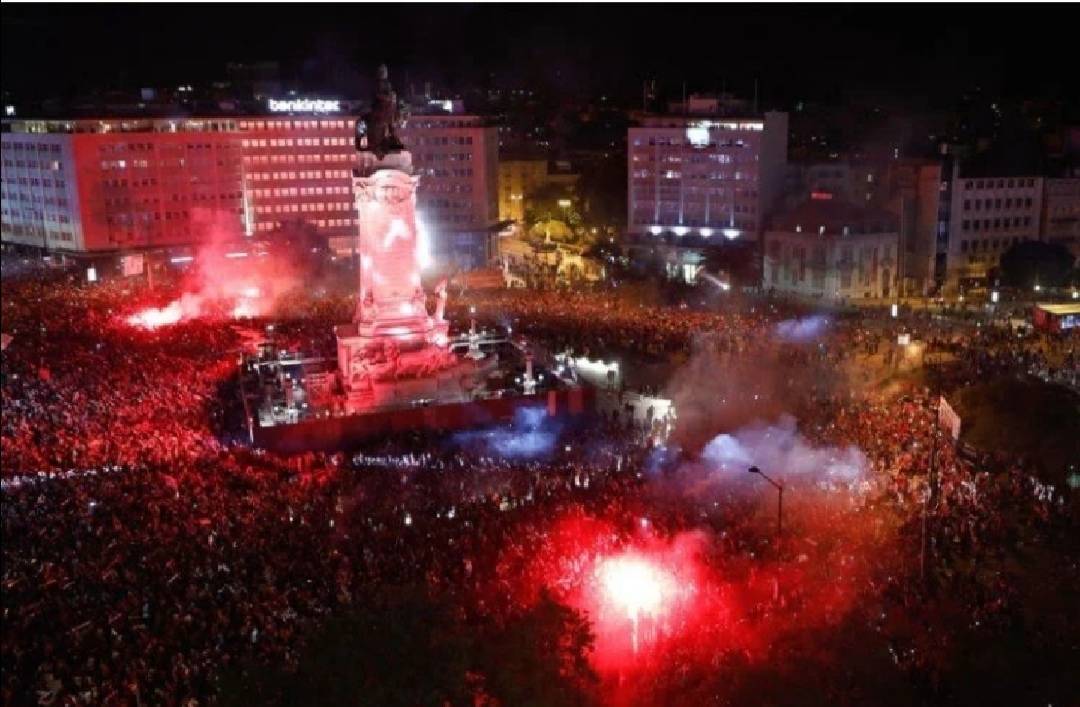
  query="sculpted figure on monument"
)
[
  {"x": 376, "y": 132},
  {"x": 440, "y": 306}
]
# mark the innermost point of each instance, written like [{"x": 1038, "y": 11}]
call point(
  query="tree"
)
[
  {"x": 554, "y": 203},
  {"x": 406, "y": 649},
  {"x": 541, "y": 658},
  {"x": 1033, "y": 263}
]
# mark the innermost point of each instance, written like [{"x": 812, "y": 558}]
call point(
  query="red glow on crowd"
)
[
  {"x": 223, "y": 285},
  {"x": 154, "y": 317}
]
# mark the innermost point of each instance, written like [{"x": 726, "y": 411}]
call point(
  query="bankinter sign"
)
[{"x": 304, "y": 105}]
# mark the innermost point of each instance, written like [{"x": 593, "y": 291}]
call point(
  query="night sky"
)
[{"x": 796, "y": 52}]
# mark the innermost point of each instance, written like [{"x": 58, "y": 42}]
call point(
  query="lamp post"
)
[{"x": 779, "y": 504}]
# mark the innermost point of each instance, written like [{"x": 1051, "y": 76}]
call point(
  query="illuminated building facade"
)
[
  {"x": 105, "y": 186},
  {"x": 457, "y": 160},
  {"x": 832, "y": 250},
  {"x": 297, "y": 169},
  {"x": 520, "y": 178},
  {"x": 517, "y": 179},
  {"x": 100, "y": 186},
  {"x": 704, "y": 175}
]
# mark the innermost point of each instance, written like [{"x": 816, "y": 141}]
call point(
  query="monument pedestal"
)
[{"x": 394, "y": 353}]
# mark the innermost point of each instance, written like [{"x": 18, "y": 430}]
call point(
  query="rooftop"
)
[{"x": 835, "y": 215}]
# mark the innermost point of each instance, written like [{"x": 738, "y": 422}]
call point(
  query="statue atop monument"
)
[{"x": 377, "y": 131}]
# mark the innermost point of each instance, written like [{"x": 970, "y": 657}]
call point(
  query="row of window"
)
[
  {"x": 111, "y": 148},
  {"x": 34, "y": 182},
  {"x": 675, "y": 142},
  {"x": 439, "y": 203},
  {"x": 988, "y": 224},
  {"x": 300, "y": 191},
  {"x": 36, "y": 231},
  {"x": 316, "y": 174},
  {"x": 988, "y": 244},
  {"x": 18, "y": 146},
  {"x": 296, "y": 142},
  {"x": 321, "y": 223},
  {"x": 303, "y": 208},
  {"x": 412, "y": 140},
  {"x": 294, "y": 124},
  {"x": 675, "y": 174},
  {"x": 125, "y": 219},
  {"x": 127, "y": 200},
  {"x": 25, "y": 196},
  {"x": 691, "y": 193},
  {"x": 53, "y": 165},
  {"x": 295, "y": 159},
  {"x": 999, "y": 184},
  {"x": 444, "y": 157},
  {"x": 429, "y": 124},
  {"x": 1008, "y": 203},
  {"x": 36, "y": 215},
  {"x": 721, "y": 157}
]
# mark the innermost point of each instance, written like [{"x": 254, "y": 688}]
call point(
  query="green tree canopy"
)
[{"x": 1034, "y": 262}]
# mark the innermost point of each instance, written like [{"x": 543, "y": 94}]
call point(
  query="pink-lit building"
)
[
  {"x": 457, "y": 160},
  {"x": 298, "y": 169},
  {"x": 704, "y": 173},
  {"x": 106, "y": 186},
  {"x": 100, "y": 186}
]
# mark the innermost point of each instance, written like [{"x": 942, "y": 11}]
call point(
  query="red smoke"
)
[
  {"x": 233, "y": 277},
  {"x": 662, "y": 602}
]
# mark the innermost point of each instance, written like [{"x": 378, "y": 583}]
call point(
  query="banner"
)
[{"x": 948, "y": 418}]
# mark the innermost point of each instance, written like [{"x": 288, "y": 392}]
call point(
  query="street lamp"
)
[{"x": 779, "y": 503}]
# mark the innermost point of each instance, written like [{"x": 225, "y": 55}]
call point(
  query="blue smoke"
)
[
  {"x": 526, "y": 438},
  {"x": 802, "y": 330}
]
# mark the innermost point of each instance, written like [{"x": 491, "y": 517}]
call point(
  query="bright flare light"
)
[
  {"x": 423, "y": 245},
  {"x": 638, "y": 588},
  {"x": 634, "y": 585},
  {"x": 243, "y": 310},
  {"x": 154, "y": 317}
]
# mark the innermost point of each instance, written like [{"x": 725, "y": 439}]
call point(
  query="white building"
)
[
  {"x": 1061, "y": 213},
  {"x": 704, "y": 175},
  {"x": 989, "y": 215},
  {"x": 832, "y": 250}
]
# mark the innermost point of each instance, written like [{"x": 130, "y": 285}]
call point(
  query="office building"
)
[
  {"x": 119, "y": 184},
  {"x": 1060, "y": 221},
  {"x": 457, "y": 160},
  {"x": 703, "y": 173},
  {"x": 831, "y": 250},
  {"x": 989, "y": 214}
]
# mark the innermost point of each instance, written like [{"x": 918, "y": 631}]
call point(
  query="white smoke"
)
[{"x": 781, "y": 451}]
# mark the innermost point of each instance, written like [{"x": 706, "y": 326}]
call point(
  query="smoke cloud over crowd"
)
[
  {"x": 802, "y": 330},
  {"x": 229, "y": 277},
  {"x": 782, "y": 450}
]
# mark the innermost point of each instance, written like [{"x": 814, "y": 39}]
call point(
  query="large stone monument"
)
[{"x": 394, "y": 352}]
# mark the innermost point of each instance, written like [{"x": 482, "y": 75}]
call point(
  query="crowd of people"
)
[{"x": 147, "y": 552}]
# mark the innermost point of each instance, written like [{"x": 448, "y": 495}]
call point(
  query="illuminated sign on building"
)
[{"x": 304, "y": 105}]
